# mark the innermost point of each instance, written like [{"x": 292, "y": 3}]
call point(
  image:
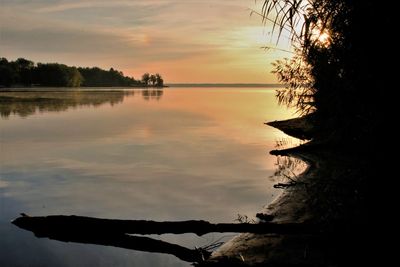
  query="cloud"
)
[{"x": 133, "y": 35}]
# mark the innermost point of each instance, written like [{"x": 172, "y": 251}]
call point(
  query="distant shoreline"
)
[{"x": 85, "y": 88}]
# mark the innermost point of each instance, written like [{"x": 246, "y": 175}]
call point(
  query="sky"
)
[{"x": 186, "y": 41}]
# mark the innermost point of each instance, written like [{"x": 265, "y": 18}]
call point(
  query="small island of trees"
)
[{"x": 25, "y": 73}]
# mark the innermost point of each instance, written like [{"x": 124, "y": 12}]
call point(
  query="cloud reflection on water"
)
[{"x": 194, "y": 154}]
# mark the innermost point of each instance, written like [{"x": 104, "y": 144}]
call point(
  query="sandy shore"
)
[{"x": 320, "y": 196}]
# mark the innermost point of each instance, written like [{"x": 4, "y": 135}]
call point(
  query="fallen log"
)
[
  {"x": 42, "y": 226},
  {"x": 105, "y": 238}
]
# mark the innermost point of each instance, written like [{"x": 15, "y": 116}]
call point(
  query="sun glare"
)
[
  {"x": 324, "y": 38},
  {"x": 321, "y": 38}
]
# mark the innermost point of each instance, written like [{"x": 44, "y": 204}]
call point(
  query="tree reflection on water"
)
[{"x": 26, "y": 103}]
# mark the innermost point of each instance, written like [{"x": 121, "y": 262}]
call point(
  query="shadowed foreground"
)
[{"x": 331, "y": 194}]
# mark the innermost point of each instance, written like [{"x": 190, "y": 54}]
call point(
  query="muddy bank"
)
[
  {"x": 330, "y": 194},
  {"x": 301, "y": 128}
]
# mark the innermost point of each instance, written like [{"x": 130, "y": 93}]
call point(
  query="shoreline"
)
[
  {"x": 82, "y": 88},
  {"x": 300, "y": 128},
  {"x": 254, "y": 249},
  {"x": 319, "y": 196}
]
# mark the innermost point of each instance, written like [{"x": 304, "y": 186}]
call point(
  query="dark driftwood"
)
[
  {"x": 70, "y": 224},
  {"x": 115, "y": 232},
  {"x": 109, "y": 238}
]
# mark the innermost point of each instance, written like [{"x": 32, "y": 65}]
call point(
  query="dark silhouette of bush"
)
[{"x": 337, "y": 65}]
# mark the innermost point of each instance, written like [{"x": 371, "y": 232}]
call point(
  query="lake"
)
[{"x": 170, "y": 154}]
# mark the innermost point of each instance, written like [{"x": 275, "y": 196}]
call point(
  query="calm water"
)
[{"x": 174, "y": 154}]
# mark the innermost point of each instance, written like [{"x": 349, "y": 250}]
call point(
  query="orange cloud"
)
[{"x": 185, "y": 41}]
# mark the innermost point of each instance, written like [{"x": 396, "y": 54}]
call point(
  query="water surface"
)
[{"x": 172, "y": 154}]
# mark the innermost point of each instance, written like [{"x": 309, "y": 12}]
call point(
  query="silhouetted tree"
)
[
  {"x": 159, "y": 80},
  {"x": 331, "y": 72},
  {"x": 153, "y": 79},
  {"x": 24, "y": 71},
  {"x": 75, "y": 78},
  {"x": 99, "y": 77},
  {"x": 7, "y": 74},
  {"x": 54, "y": 74},
  {"x": 146, "y": 79}
]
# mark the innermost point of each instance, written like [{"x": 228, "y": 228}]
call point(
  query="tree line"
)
[{"x": 23, "y": 72}]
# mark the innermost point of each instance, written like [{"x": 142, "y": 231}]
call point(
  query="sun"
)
[
  {"x": 321, "y": 38},
  {"x": 324, "y": 38}
]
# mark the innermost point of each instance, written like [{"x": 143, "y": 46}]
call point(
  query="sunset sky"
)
[{"x": 196, "y": 41}]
